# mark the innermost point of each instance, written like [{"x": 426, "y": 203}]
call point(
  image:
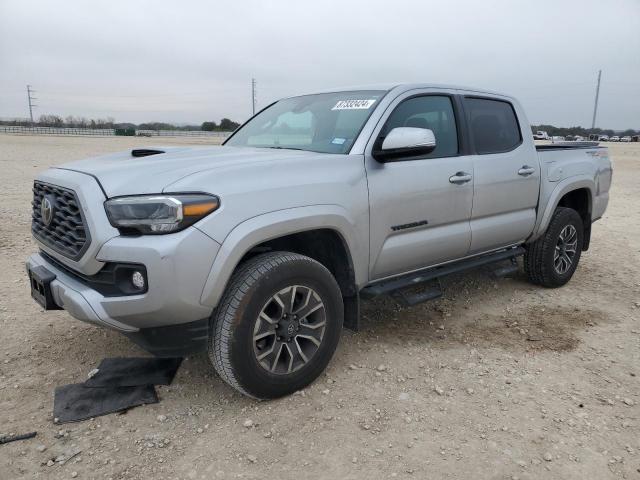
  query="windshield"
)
[{"x": 326, "y": 122}]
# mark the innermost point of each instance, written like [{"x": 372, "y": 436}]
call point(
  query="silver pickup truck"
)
[{"x": 260, "y": 250}]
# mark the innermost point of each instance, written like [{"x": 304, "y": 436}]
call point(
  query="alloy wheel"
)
[
  {"x": 565, "y": 250},
  {"x": 289, "y": 329}
]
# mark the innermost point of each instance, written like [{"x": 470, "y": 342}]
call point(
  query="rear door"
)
[
  {"x": 506, "y": 175},
  {"x": 420, "y": 206}
]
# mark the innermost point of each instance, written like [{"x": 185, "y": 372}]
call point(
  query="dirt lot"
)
[{"x": 497, "y": 380}]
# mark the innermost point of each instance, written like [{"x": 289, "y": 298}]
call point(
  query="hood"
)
[{"x": 123, "y": 174}]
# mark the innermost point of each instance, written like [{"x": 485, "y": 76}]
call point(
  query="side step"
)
[
  {"x": 408, "y": 299},
  {"x": 501, "y": 271},
  {"x": 395, "y": 285}
]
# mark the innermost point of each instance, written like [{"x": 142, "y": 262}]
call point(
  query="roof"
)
[{"x": 402, "y": 87}]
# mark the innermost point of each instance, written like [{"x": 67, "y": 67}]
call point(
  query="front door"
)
[{"x": 420, "y": 207}]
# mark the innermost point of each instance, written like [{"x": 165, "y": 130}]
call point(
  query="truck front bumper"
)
[{"x": 177, "y": 267}]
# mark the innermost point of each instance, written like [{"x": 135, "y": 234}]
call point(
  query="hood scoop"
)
[{"x": 145, "y": 152}]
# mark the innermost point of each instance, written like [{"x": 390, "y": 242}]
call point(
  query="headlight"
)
[{"x": 158, "y": 214}]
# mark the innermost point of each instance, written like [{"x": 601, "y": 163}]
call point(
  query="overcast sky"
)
[{"x": 190, "y": 61}]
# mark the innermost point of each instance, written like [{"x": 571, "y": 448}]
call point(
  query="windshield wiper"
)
[{"x": 286, "y": 148}]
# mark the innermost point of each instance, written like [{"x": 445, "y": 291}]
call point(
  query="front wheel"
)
[
  {"x": 551, "y": 260},
  {"x": 277, "y": 325}
]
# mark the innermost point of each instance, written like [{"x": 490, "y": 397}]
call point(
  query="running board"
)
[
  {"x": 386, "y": 287},
  {"x": 505, "y": 270},
  {"x": 407, "y": 298}
]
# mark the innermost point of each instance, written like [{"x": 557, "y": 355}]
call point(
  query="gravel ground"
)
[{"x": 497, "y": 380}]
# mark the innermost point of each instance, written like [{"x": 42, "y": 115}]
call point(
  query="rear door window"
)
[{"x": 493, "y": 124}]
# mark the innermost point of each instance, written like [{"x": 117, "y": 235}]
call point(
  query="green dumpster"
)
[{"x": 126, "y": 132}]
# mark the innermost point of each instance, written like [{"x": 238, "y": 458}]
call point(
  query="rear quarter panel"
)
[{"x": 566, "y": 170}]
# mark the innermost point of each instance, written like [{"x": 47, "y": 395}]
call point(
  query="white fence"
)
[
  {"x": 181, "y": 133},
  {"x": 101, "y": 132},
  {"x": 105, "y": 132}
]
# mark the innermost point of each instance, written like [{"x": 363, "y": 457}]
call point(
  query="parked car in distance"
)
[
  {"x": 603, "y": 138},
  {"x": 626, "y": 138},
  {"x": 541, "y": 135},
  {"x": 615, "y": 138},
  {"x": 557, "y": 138},
  {"x": 260, "y": 250},
  {"x": 578, "y": 138}
]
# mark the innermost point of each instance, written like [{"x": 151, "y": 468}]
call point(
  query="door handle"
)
[
  {"x": 526, "y": 170},
  {"x": 460, "y": 177}
]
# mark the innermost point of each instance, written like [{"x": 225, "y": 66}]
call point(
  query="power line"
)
[
  {"x": 73, "y": 94},
  {"x": 595, "y": 105},
  {"x": 30, "y": 99}
]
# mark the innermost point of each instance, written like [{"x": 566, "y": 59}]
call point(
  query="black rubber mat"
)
[
  {"x": 76, "y": 402},
  {"x": 130, "y": 372}
]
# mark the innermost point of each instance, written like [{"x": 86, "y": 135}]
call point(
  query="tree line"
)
[
  {"x": 225, "y": 125},
  {"x": 581, "y": 131}
]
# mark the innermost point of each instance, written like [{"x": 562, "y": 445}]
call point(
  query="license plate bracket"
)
[{"x": 40, "y": 280}]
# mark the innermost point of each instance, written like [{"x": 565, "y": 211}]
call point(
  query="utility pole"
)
[
  {"x": 254, "y": 99},
  {"x": 595, "y": 105},
  {"x": 30, "y": 99}
]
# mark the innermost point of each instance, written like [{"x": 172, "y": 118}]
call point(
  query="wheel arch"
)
[
  {"x": 325, "y": 234},
  {"x": 581, "y": 201},
  {"x": 573, "y": 193}
]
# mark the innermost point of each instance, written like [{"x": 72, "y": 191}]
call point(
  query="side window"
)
[
  {"x": 432, "y": 112},
  {"x": 494, "y": 126}
]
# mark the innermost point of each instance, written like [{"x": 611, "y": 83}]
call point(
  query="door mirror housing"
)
[{"x": 404, "y": 142}]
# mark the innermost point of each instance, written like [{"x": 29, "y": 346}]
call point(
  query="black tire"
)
[
  {"x": 251, "y": 288},
  {"x": 539, "y": 264}
]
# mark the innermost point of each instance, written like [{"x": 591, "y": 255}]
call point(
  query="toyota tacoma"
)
[{"x": 259, "y": 251}]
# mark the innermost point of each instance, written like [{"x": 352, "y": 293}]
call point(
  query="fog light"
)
[{"x": 137, "y": 279}]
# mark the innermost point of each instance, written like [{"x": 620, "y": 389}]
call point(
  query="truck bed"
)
[{"x": 567, "y": 146}]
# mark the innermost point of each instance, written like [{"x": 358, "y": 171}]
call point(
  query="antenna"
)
[{"x": 254, "y": 98}]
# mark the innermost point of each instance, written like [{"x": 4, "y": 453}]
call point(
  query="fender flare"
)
[
  {"x": 269, "y": 226},
  {"x": 562, "y": 188}
]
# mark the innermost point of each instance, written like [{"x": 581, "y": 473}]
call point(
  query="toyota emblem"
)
[{"x": 46, "y": 211}]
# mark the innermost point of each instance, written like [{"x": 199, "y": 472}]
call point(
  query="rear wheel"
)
[
  {"x": 551, "y": 260},
  {"x": 277, "y": 325}
]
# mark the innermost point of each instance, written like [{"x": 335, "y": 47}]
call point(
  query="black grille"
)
[{"x": 66, "y": 232}]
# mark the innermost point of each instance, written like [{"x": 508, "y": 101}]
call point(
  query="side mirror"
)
[{"x": 405, "y": 142}]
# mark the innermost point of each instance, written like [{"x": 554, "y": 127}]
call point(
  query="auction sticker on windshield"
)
[{"x": 353, "y": 104}]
